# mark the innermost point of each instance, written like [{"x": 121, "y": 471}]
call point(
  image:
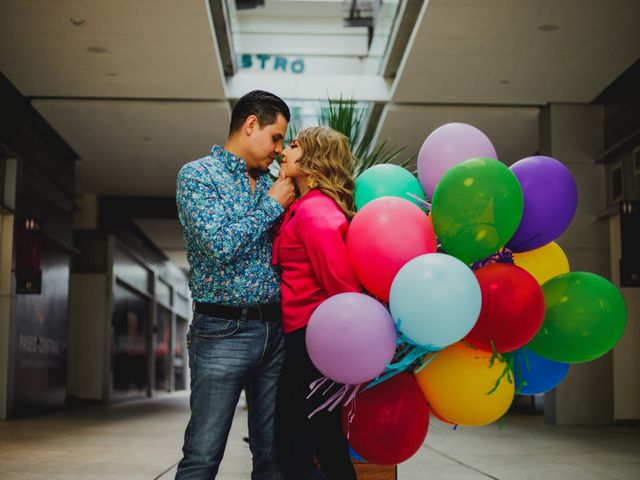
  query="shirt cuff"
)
[{"x": 271, "y": 208}]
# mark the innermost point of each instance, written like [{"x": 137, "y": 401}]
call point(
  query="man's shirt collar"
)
[{"x": 234, "y": 163}]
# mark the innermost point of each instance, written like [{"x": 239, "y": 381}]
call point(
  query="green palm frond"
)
[
  {"x": 345, "y": 116},
  {"x": 292, "y": 132},
  {"x": 380, "y": 153}
]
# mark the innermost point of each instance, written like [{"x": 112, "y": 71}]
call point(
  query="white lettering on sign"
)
[{"x": 33, "y": 344}]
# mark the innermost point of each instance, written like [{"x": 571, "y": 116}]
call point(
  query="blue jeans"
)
[{"x": 225, "y": 356}]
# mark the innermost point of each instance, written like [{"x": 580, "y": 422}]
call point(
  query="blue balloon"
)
[
  {"x": 435, "y": 300},
  {"x": 354, "y": 455},
  {"x": 540, "y": 374}
]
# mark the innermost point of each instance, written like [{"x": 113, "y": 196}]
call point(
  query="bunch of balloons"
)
[{"x": 469, "y": 299}]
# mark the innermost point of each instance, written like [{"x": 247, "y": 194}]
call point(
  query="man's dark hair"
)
[{"x": 264, "y": 105}]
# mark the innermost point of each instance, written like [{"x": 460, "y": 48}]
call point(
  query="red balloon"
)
[
  {"x": 384, "y": 235},
  {"x": 389, "y": 421},
  {"x": 512, "y": 308}
]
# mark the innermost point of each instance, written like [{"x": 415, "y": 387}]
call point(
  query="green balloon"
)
[
  {"x": 387, "y": 180},
  {"x": 585, "y": 317},
  {"x": 477, "y": 207}
]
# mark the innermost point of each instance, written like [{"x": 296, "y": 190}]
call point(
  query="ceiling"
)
[
  {"x": 137, "y": 89},
  {"x": 135, "y": 147},
  {"x": 110, "y": 49},
  {"x": 507, "y": 52}
]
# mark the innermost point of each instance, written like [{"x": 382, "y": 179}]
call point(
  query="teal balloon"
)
[
  {"x": 387, "y": 180},
  {"x": 477, "y": 207},
  {"x": 435, "y": 300},
  {"x": 585, "y": 317}
]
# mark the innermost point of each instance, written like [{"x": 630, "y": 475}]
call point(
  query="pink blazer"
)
[{"x": 311, "y": 253}]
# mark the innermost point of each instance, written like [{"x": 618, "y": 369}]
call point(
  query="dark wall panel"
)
[
  {"x": 129, "y": 352},
  {"x": 40, "y": 340}
]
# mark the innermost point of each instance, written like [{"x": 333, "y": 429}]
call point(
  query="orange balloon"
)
[
  {"x": 432, "y": 412},
  {"x": 457, "y": 383}
]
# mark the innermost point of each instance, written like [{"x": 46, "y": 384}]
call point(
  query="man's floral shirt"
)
[{"x": 226, "y": 231}]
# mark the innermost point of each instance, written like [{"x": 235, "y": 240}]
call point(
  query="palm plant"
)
[{"x": 344, "y": 116}]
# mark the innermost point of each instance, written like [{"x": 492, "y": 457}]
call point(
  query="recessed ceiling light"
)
[
  {"x": 549, "y": 27},
  {"x": 96, "y": 50},
  {"x": 505, "y": 82},
  {"x": 111, "y": 74},
  {"x": 146, "y": 138}
]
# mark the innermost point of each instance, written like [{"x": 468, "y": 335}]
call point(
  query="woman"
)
[{"x": 311, "y": 254}]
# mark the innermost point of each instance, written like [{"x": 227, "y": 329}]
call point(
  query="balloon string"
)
[
  {"x": 507, "y": 372},
  {"x": 350, "y": 416},
  {"x": 354, "y": 392},
  {"x": 316, "y": 384},
  {"x": 347, "y": 390},
  {"x": 423, "y": 202},
  {"x": 426, "y": 362},
  {"x": 504, "y": 255},
  {"x": 517, "y": 370},
  {"x": 502, "y": 421},
  {"x": 407, "y": 355}
]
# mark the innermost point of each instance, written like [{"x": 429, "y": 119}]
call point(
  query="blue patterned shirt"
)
[{"x": 226, "y": 231}]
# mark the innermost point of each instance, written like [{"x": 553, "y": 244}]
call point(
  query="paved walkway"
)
[{"x": 142, "y": 440}]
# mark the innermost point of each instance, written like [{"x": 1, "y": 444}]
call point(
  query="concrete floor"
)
[{"x": 142, "y": 440}]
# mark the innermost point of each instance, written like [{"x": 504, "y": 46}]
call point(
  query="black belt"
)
[{"x": 266, "y": 312}]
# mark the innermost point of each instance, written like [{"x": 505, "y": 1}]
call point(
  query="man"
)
[{"x": 227, "y": 204}]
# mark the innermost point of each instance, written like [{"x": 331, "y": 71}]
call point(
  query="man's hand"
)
[{"x": 282, "y": 190}]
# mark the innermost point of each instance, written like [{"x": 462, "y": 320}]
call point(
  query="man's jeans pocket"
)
[{"x": 212, "y": 328}]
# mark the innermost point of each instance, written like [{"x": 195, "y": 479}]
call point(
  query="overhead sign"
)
[{"x": 272, "y": 63}]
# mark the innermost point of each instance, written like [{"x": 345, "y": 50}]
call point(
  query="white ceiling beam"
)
[
  {"x": 312, "y": 87},
  {"x": 302, "y": 44}
]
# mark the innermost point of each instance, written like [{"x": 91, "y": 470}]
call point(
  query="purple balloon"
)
[
  {"x": 446, "y": 147},
  {"x": 550, "y": 201},
  {"x": 351, "y": 337}
]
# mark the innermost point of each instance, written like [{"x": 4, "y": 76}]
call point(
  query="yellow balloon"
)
[
  {"x": 457, "y": 383},
  {"x": 543, "y": 263}
]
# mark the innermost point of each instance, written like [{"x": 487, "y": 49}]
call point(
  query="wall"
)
[
  {"x": 87, "y": 319},
  {"x": 626, "y": 355},
  {"x": 621, "y": 101},
  {"x": 38, "y": 184},
  {"x": 573, "y": 134}
]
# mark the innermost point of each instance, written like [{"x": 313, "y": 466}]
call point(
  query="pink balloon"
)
[
  {"x": 447, "y": 146},
  {"x": 351, "y": 337},
  {"x": 383, "y": 236}
]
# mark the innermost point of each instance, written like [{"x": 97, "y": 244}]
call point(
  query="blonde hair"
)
[{"x": 328, "y": 163}]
